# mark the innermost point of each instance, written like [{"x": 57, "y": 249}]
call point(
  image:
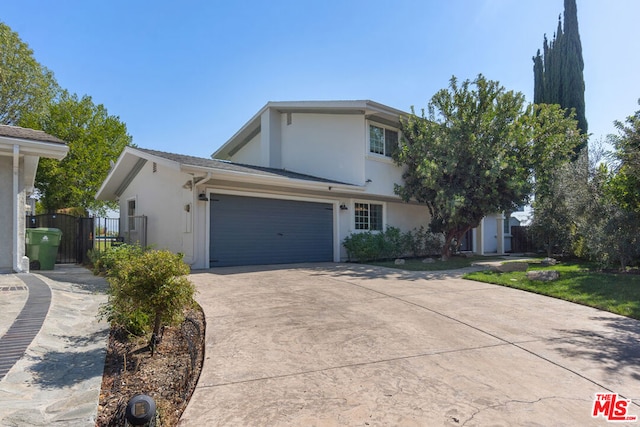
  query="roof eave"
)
[
  {"x": 125, "y": 168},
  {"x": 279, "y": 181},
  {"x": 51, "y": 150}
]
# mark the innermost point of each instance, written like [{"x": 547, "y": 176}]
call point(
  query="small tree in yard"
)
[
  {"x": 153, "y": 284},
  {"x": 552, "y": 223}
]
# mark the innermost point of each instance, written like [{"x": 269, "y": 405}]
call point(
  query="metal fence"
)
[
  {"x": 106, "y": 232},
  {"x": 135, "y": 230},
  {"x": 81, "y": 235},
  {"x": 76, "y": 235}
]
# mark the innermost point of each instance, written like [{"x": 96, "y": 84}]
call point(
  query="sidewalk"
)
[{"x": 57, "y": 380}]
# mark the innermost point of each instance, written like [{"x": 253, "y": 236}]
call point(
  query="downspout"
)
[
  {"x": 197, "y": 222},
  {"x": 16, "y": 200}
]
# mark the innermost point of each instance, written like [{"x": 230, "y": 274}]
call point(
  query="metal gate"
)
[
  {"x": 77, "y": 235},
  {"x": 80, "y": 235}
]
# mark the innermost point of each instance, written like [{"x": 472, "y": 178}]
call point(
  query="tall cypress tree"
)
[
  {"x": 558, "y": 71},
  {"x": 573, "y": 65}
]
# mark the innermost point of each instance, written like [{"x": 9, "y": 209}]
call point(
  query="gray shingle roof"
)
[
  {"x": 236, "y": 167},
  {"x": 29, "y": 134}
]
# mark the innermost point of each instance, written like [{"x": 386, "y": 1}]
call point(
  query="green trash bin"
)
[{"x": 42, "y": 246}]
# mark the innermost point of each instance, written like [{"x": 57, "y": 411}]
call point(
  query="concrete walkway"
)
[
  {"x": 51, "y": 316},
  {"x": 348, "y": 345}
]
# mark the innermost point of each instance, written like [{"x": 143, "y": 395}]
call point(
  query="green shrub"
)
[
  {"x": 361, "y": 246},
  {"x": 424, "y": 243},
  {"x": 395, "y": 243},
  {"x": 369, "y": 246},
  {"x": 106, "y": 262},
  {"x": 149, "y": 288}
]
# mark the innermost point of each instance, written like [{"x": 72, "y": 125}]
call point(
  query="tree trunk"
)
[
  {"x": 155, "y": 336},
  {"x": 450, "y": 237},
  {"x": 446, "y": 248},
  {"x": 157, "y": 323}
]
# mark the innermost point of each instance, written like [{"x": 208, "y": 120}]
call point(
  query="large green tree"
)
[
  {"x": 94, "y": 137},
  {"x": 558, "y": 70},
  {"x": 555, "y": 138},
  {"x": 625, "y": 184},
  {"x": 476, "y": 152},
  {"x": 25, "y": 85},
  {"x": 30, "y": 97}
]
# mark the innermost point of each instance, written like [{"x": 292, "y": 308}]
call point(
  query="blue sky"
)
[{"x": 186, "y": 75}]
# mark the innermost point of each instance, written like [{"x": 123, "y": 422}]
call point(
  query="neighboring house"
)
[
  {"x": 288, "y": 187},
  {"x": 20, "y": 152}
]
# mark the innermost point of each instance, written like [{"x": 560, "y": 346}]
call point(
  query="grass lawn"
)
[
  {"x": 452, "y": 263},
  {"x": 617, "y": 293}
]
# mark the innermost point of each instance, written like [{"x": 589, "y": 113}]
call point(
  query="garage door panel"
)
[{"x": 252, "y": 230}]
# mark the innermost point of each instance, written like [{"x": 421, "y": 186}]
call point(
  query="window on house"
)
[
  {"x": 131, "y": 208},
  {"x": 131, "y": 213},
  {"x": 368, "y": 216},
  {"x": 506, "y": 224},
  {"x": 382, "y": 140}
]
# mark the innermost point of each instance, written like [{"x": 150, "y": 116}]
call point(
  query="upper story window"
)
[
  {"x": 368, "y": 216},
  {"x": 382, "y": 140}
]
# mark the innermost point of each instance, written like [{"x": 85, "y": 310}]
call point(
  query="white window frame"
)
[
  {"x": 506, "y": 225},
  {"x": 369, "y": 203},
  {"x": 130, "y": 226},
  {"x": 385, "y": 128}
]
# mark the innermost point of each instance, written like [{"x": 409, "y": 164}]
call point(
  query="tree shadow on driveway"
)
[{"x": 615, "y": 347}]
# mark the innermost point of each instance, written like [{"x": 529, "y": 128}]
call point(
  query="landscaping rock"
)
[
  {"x": 548, "y": 261},
  {"x": 399, "y": 261},
  {"x": 428, "y": 261},
  {"x": 543, "y": 275},
  {"x": 508, "y": 267}
]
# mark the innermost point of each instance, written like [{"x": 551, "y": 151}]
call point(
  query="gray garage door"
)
[{"x": 254, "y": 231}]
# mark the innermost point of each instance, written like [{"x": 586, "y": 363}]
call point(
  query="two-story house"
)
[{"x": 288, "y": 187}]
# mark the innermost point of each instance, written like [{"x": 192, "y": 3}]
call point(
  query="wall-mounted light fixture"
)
[
  {"x": 203, "y": 197},
  {"x": 343, "y": 207}
]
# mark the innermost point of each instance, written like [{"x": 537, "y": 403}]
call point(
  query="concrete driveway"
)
[{"x": 342, "y": 344}]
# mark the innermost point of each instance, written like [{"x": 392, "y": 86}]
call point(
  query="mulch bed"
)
[{"x": 169, "y": 377}]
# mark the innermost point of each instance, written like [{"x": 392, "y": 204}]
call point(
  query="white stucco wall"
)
[
  {"x": 383, "y": 174},
  {"x": 162, "y": 199},
  {"x": 250, "y": 153},
  {"x": 6, "y": 212},
  {"x": 407, "y": 217},
  {"x": 325, "y": 145}
]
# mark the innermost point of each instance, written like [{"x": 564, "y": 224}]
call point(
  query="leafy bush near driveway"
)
[
  {"x": 148, "y": 288},
  {"x": 105, "y": 261},
  {"x": 425, "y": 243},
  {"x": 391, "y": 243}
]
